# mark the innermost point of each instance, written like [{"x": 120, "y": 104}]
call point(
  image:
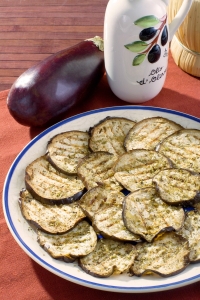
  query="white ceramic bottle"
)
[{"x": 136, "y": 46}]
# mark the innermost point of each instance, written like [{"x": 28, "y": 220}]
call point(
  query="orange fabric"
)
[{"x": 21, "y": 277}]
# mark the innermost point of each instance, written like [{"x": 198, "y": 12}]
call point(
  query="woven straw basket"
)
[{"x": 185, "y": 45}]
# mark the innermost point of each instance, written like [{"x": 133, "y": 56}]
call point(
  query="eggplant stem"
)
[{"x": 98, "y": 41}]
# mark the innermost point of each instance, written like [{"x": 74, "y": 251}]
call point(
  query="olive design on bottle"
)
[
  {"x": 164, "y": 36},
  {"x": 147, "y": 34},
  {"x": 154, "y": 54},
  {"x": 151, "y": 50}
]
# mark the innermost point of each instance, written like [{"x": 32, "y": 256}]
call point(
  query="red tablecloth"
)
[{"x": 21, "y": 277}]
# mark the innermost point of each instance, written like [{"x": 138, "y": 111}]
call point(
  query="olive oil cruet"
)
[{"x": 136, "y": 46}]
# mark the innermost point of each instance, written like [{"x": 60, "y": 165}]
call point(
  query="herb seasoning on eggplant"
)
[{"x": 47, "y": 90}]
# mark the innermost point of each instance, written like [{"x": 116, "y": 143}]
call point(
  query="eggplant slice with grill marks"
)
[
  {"x": 99, "y": 198},
  {"x": 78, "y": 242},
  {"x": 148, "y": 133},
  {"x": 135, "y": 169},
  {"x": 50, "y": 218},
  {"x": 109, "y": 257},
  {"x": 197, "y": 206},
  {"x": 166, "y": 256},
  {"x": 97, "y": 169},
  {"x": 145, "y": 214},
  {"x": 178, "y": 186},
  {"x": 109, "y": 223},
  {"x": 191, "y": 231},
  {"x": 109, "y": 134},
  {"x": 183, "y": 149},
  {"x": 50, "y": 186},
  {"x": 65, "y": 150}
]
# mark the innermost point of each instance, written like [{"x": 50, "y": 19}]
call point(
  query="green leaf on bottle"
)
[
  {"x": 138, "y": 59},
  {"x": 147, "y": 21},
  {"x": 137, "y": 46}
]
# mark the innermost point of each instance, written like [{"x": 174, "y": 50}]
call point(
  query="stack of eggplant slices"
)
[{"x": 122, "y": 197}]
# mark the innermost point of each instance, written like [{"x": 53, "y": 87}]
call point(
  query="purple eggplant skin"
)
[{"x": 50, "y": 88}]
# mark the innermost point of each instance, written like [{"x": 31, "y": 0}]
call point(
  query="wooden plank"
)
[
  {"x": 55, "y": 9},
  {"x": 47, "y": 35},
  {"x": 5, "y": 86},
  {"x": 16, "y": 64},
  {"x": 21, "y": 56},
  {"x": 35, "y": 50},
  {"x": 51, "y": 28},
  {"x": 51, "y": 2},
  {"x": 25, "y": 44},
  {"x": 44, "y": 14},
  {"x": 7, "y": 82},
  {"x": 55, "y": 21},
  {"x": 7, "y": 74}
]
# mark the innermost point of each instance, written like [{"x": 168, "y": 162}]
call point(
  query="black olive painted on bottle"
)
[
  {"x": 154, "y": 54},
  {"x": 147, "y": 34},
  {"x": 164, "y": 36}
]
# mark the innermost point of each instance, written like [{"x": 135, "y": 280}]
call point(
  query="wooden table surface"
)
[{"x": 31, "y": 30}]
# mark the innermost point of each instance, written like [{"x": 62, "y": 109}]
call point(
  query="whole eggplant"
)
[{"x": 48, "y": 89}]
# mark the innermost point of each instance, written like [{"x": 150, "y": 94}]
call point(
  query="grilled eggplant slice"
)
[
  {"x": 191, "y": 231},
  {"x": 109, "y": 223},
  {"x": 50, "y": 218},
  {"x": 109, "y": 257},
  {"x": 178, "y": 186},
  {"x": 78, "y": 242},
  {"x": 135, "y": 169},
  {"x": 97, "y": 169},
  {"x": 66, "y": 149},
  {"x": 197, "y": 206},
  {"x": 145, "y": 214},
  {"x": 109, "y": 135},
  {"x": 148, "y": 133},
  {"x": 99, "y": 198},
  {"x": 166, "y": 256},
  {"x": 49, "y": 186},
  {"x": 183, "y": 149}
]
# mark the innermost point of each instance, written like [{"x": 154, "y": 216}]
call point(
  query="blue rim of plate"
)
[{"x": 48, "y": 266}]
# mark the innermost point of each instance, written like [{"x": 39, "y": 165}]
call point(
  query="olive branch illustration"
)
[{"x": 152, "y": 49}]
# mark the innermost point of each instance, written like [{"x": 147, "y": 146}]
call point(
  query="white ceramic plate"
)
[{"x": 26, "y": 238}]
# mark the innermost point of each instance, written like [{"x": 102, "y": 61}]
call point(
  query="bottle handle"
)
[{"x": 180, "y": 16}]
